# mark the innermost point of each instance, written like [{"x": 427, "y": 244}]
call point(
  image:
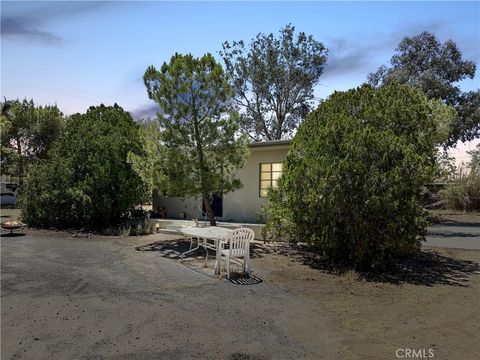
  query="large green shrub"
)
[
  {"x": 353, "y": 178},
  {"x": 86, "y": 181}
]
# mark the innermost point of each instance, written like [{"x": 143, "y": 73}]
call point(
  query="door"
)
[{"x": 216, "y": 204}]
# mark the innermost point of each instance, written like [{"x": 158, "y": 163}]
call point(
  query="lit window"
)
[{"x": 269, "y": 175}]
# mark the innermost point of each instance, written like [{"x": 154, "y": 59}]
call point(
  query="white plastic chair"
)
[{"x": 239, "y": 247}]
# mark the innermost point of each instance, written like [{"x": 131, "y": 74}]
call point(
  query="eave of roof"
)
[{"x": 259, "y": 144}]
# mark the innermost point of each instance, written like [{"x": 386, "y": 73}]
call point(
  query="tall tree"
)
[
  {"x": 27, "y": 134},
  {"x": 436, "y": 68},
  {"x": 273, "y": 81},
  {"x": 467, "y": 124},
  {"x": 8, "y": 158},
  {"x": 202, "y": 150}
]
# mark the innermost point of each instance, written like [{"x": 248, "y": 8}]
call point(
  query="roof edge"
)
[{"x": 259, "y": 144}]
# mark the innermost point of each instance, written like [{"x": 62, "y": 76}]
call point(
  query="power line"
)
[
  {"x": 326, "y": 86},
  {"x": 63, "y": 93},
  {"x": 94, "y": 93},
  {"x": 81, "y": 96}
]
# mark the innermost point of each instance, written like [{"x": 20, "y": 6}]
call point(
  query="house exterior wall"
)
[
  {"x": 243, "y": 205},
  {"x": 176, "y": 206},
  {"x": 239, "y": 206}
]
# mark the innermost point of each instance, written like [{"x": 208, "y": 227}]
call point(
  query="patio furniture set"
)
[{"x": 233, "y": 244}]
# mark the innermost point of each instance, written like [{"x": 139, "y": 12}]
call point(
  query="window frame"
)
[{"x": 271, "y": 172}]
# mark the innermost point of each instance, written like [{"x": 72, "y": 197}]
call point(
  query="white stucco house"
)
[{"x": 260, "y": 172}]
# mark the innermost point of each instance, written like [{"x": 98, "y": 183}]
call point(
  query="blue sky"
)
[{"x": 78, "y": 54}]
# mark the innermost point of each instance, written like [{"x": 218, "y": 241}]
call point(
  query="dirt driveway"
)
[
  {"x": 65, "y": 297},
  {"x": 69, "y": 297}
]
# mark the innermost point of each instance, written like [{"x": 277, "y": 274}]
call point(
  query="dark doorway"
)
[{"x": 216, "y": 204}]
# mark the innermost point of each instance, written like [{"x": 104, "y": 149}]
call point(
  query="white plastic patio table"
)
[{"x": 215, "y": 233}]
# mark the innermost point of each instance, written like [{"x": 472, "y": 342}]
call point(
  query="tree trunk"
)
[
  {"x": 209, "y": 211},
  {"x": 20, "y": 162},
  {"x": 280, "y": 120}
]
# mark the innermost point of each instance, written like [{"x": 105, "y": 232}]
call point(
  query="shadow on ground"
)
[
  {"x": 447, "y": 234},
  {"x": 7, "y": 235},
  {"x": 196, "y": 259},
  {"x": 171, "y": 248},
  {"x": 458, "y": 223},
  {"x": 427, "y": 267},
  {"x": 238, "y": 279}
]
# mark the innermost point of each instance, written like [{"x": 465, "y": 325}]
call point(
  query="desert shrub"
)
[
  {"x": 117, "y": 230},
  {"x": 276, "y": 218},
  {"x": 463, "y": 194},
  {"x": 86, "y": 180},
  {"x": 474, "y": 164},
  {"x": 353, "y": 178},
  {"x": 142, "y": 227}
]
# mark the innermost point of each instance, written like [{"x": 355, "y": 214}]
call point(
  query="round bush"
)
[
  {"x": 86, "y": 180},
  {"x": 353, "y": 178}
]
